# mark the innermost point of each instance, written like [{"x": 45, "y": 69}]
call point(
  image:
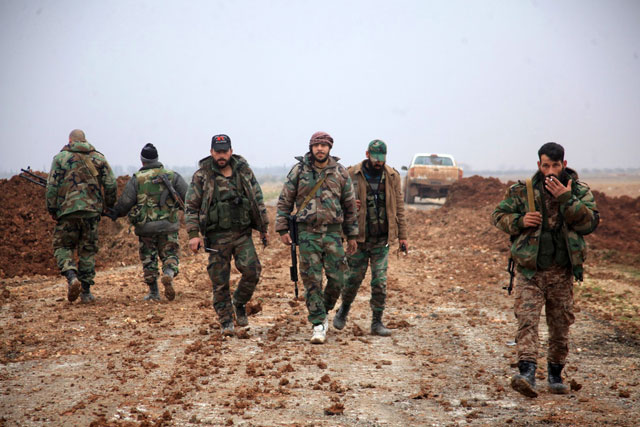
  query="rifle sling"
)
[
  {"x": 530, "y": 200},
  {"x": 311, "y": 194}
]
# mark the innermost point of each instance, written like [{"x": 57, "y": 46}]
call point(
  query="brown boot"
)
[
  {"x": 73, "y": 285},
  {"x": 167, "y": 281}
]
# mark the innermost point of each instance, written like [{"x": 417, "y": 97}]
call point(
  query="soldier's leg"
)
[
  {"x": 87, "y": 250},
  {"x": 560, "y": 316},
  {"x": 335, "y": 268},
  {"x": 529, "y": 300},
  {"x": 528, "y": 304},
  {"x": 219, "y": 269},
  {"x": 65, "y": 238},
  {"x": 168, "y": 249},
  {"x": 358, "y": 264},
  {"x": 311, "y": 272},
  {"x": 379, "y": 264},
  {"x": 147, "y": 248},
  {"x": 248, "y": 264}
]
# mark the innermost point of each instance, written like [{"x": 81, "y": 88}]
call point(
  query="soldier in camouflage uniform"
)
[
  {"x": 549, "y": 250},
  {"x": 224, "y": 203},
  {"x": 153, "y": 212},
  {"x": 330, "y": 211},
  {"x": 80, "y": 187},
  {"x": 380, "y": 222}
]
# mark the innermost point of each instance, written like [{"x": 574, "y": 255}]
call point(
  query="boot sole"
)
[
  {"x": 74, "y": 290},
  {"x": 522, "y": 386},
  {"x": 559, "y": 390},
  {"x": 318, "y": 340},
  {"x": 169, "y": 292}
]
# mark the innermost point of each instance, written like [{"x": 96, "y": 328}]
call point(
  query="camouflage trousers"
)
[
  {"x": 238, "y": 245},
  {"x": 71, "y": 233},
  {"x": 318, "y": 250},
  {"x": 376, "y": 253},
  {"x": 553, "y": 289},
  {"x": 165, "y": 246}
]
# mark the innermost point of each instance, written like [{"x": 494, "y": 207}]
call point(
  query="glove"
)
[{"x": 111, "y": 213}]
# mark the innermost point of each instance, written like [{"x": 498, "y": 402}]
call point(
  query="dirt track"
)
[{"x": 126, "y": 362}]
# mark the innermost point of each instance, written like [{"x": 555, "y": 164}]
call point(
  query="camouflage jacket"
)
[
  {"x": 393, "y": 200},
  {"x": 201, "y": 194},
  {"x": 148, "y": 202},
  {"x": 578, "y": 214},
  {"x": 333, "y": 203},
  {"x": 75, "y": 186}
]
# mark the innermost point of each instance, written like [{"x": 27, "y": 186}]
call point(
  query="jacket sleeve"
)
[
  {"x": 109, "y": 183},
  {"x": 193, "y": 201},
  {"x": 579, "y": 210},
  {"x": 128, "y": 198},
  {"x": 53, "y": 181},
  {"x": 507, "y": 216},
  {"x": 286, "y": 200},
  {"x": 402, "y": 224},
  {"x": 259, "y": 200},
  {"x": 348, "y": 202},
  {"x": 180, "y": 185}
]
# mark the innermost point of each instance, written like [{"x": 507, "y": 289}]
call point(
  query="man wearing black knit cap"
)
[{"x": 153, "y": 211}]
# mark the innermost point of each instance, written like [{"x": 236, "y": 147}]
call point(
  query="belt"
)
[{"x": 328, "y": 228}]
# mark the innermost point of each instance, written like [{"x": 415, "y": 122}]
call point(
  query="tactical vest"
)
[
  {"x": 230, "y": 208},
  {"x": 153, "y": 200},
  {"x": 553, "y": 245},
  {"x": 377, "y": 224}
]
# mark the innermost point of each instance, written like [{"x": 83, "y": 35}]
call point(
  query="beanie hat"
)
[
  {"x": 149, "y": 154},
  {"x": 319, "y": 137}
]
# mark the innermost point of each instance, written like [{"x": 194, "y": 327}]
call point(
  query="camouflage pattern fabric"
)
[
  {"x": 153, "y": 202},
  {"x": 240, "y": 247},
  {"x": 165, "y": 246},
  {"x": 318, "y": 250},
  {"x": 333, "y": 203},
  {"x": 81, "y": 233},
  {"x": 71, "y": 185},
  {"x": 578, "y": 208},
  {"x": 375, "y": 252},
  {"x": 553, "y": 289},
  {"x": 201, "y": 196}
]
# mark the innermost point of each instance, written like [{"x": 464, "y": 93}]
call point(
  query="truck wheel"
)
[{"x": 407, "y": 198}]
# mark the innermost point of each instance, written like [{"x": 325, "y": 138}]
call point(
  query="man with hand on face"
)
[
  {"x": 549, "y": 250},
  {"x": 380, "y": 222},
  {"x": 224, "y": 203},
  {"x": 321, "y": 191}
]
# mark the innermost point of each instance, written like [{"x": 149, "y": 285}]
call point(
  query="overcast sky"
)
[{"x": 486, "y": 81}]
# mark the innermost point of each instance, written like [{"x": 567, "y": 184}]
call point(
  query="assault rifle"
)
[
  {"x": 172, "y": 191},
  {"x": 32, "y": 177},
  {"x": 293, "y": 233},
  {"x": 511, "y": 268}
]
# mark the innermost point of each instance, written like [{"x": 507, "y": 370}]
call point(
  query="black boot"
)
[
  {"x": 377, "y": 328},
  {"x": 153, "y": 294},
  {"x": 340, "y": 318},
  {"x": 241, "y": 314},
  {"x": 167, "y": 281},
  {"x": 556, "y": 386},
  {"x": 227, "y": 328},
  {"x": 73, "y": 285},
  {"x": 86, "y": 296},
  {"x": 525, "y": 381}
]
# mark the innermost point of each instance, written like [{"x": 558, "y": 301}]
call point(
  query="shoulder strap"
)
[
  {"x": 311, "y": 193},
  {"x": 531, "y": 202}
]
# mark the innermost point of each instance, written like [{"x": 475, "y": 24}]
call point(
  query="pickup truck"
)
[{"x": 430, "y": 175}]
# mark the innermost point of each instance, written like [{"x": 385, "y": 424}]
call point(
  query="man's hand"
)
[
  {"x": 286, "y": 239},
  {"x": 532, "y": 219},
  {"x": 358, "y": 203},
  {"x": 403, "y": 245},
  {"x": 555, "y": 187},
  {"x": 352, "y": 246},
  {"x": 195, "y": 244}
]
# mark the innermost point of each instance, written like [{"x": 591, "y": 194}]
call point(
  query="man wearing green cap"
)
[{"x": 380, "y": 222}]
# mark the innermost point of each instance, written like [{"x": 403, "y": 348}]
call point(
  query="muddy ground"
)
[{"x": 122, "y": 361}]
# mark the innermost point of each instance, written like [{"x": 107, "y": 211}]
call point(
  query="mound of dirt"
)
[
  {"x": 27, "y": 228},
  {"x": 619, "y": 227},
  {"x": 475, "y": 191}
]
